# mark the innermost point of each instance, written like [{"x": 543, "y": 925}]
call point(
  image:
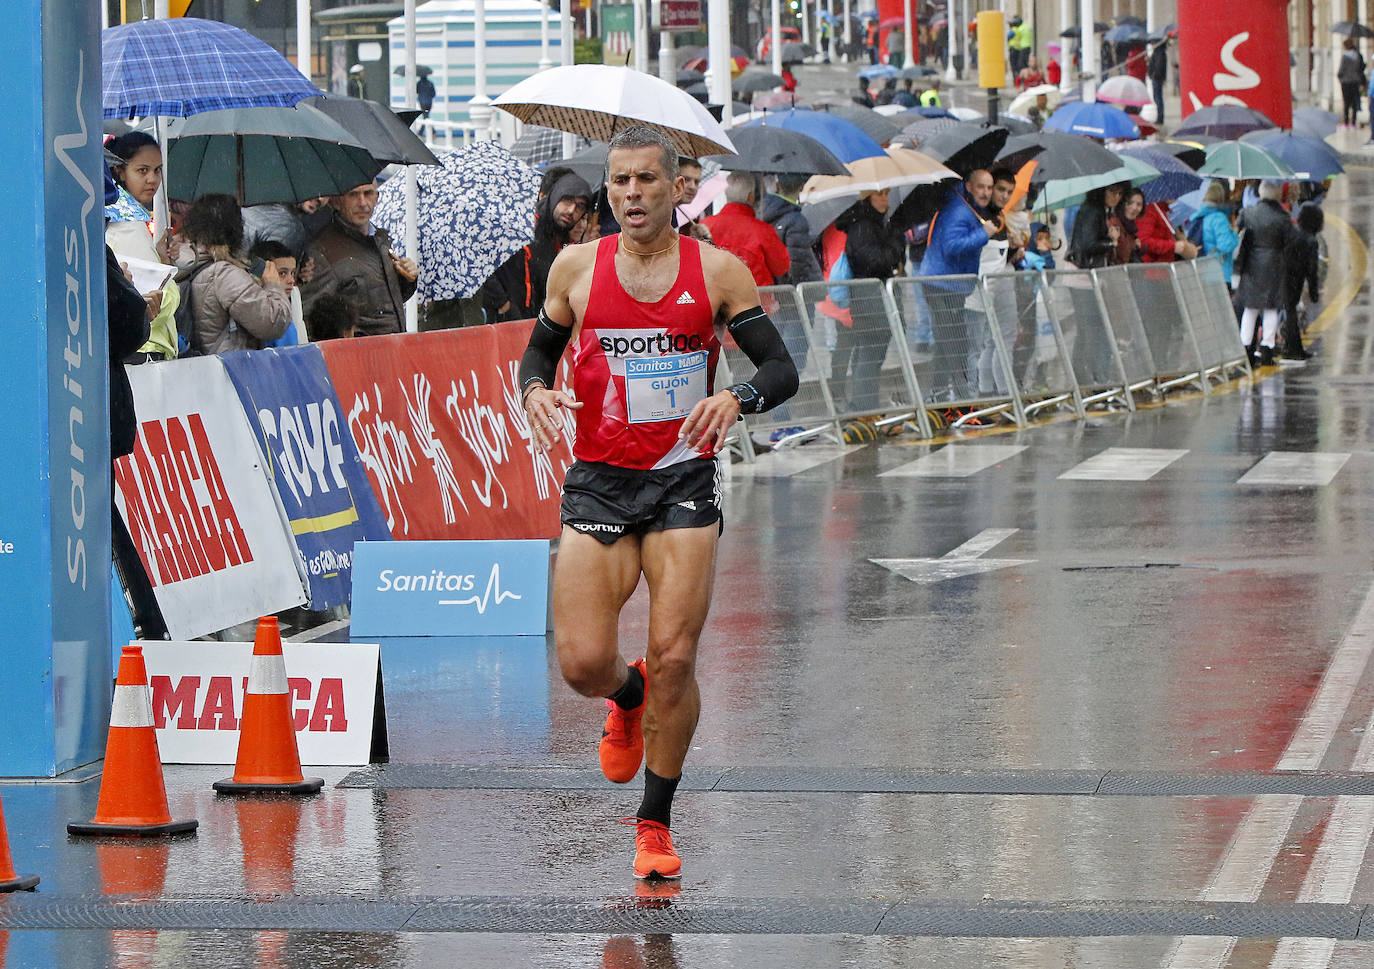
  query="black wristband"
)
[{"x": 776, "y": 378}]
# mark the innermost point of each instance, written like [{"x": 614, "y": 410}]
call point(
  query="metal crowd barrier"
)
[{"x": 920, "y": 352}]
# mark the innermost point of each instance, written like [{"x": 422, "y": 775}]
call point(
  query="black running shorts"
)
[{"x": 608, "y": 502}]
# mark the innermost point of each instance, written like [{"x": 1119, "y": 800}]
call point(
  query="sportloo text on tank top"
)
[{"x": 640, "y": 368}]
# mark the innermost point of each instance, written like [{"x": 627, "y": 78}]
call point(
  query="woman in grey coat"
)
[{"x": 1268, "y": 233}]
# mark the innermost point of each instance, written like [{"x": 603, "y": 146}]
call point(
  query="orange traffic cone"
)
[
  {"x": 9, "y": 881},
  {"x": 133, "y": 797},
  {"x": 268, "y": 760}
]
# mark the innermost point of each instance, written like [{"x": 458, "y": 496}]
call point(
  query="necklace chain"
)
[{"x": 657, "y": 252}]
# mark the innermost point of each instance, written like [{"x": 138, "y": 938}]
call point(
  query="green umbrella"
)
[
  {"x": 1238, "y": 159},
  {"x": 1064, "y": 192},
  {"x": 261, "y": 155}
]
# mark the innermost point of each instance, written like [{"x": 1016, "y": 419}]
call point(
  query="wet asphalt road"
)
[{"x": 1152, "y": 630}]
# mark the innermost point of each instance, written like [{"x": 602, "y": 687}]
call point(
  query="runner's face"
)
[{"x": 641, "y": 194}]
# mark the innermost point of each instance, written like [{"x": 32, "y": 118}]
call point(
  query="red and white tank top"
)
[{"x": 639, "y": 368}]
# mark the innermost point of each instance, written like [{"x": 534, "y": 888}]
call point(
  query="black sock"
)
[
  {"x": 631, "y": 694},
  {"x": 658, "y": 798}
]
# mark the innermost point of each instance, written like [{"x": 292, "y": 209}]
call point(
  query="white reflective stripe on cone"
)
[
  {"x": 267, "y": 675},
  {"x": 132, "y": 707}
]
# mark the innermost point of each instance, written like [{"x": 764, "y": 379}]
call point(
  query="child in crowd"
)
[
  {"x": 332, "y": 317},
  {"x": 1040, "y": 253},
  {"x": 269, "y": 250}
]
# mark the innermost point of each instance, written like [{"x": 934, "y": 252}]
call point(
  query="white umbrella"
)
[
  {"x": 900, "y": 167},
  {"x": 597, "y": 100},
  {"x": 1124, "y": 89},
  {"x": 1024, "y": 101}
]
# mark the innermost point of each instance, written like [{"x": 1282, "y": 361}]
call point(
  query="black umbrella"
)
[
  {"x": 1130, "y": 21},
  {"x": 685, "y": 77},
  {"x": 421, "y": 70},
  {"x": 1350, "y": 28},
  {"x": 919, "y": 132},
  {"x": 774, "y": 150},
  {"x": 794, "y": 52},
  {"x": 589, "y": 164},
  {"x": 1127, "y": 34},
  {"x": 1190, "y": 155},
  {"x": 1058, "y": 155},
  {"x": 968, "y": 146},
  {"x": 698, "y": 90},
  {"x": 752, "y": 81},
  {"x": 872, "y": 123},
  {"x": 1016, "y": 126},
  {"x": 377, "y": 127},
  {"x": 1224, "y": 121},
  {"x": 918, "y": 71},
  {"x": 1098, "y": 27}
]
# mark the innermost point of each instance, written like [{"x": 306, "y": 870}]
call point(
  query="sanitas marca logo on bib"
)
[{"x": 489, "y": 588}]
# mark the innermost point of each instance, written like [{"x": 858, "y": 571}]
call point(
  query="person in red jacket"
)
[
  {"x": 1158, "y": 243},
  {"x": 738, "y": 230}
]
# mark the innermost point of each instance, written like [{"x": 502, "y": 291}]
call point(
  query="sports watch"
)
[{"x": 747, "y": 396}]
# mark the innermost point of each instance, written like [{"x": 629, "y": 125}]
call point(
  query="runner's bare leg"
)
[
  {"x": 680, "y": 566},
  {"x": 591, "y": 582}
]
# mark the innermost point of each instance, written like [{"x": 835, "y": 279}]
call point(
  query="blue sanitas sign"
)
[{"x": 450, "y": 588}]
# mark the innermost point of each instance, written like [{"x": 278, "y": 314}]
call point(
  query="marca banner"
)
[
  {"x": 320, "y": 479},
  {"x": 437, "y": 420},
  {"x": 451, "y": 589},
  {"x": 1236, "y": 60},
  {"x": 199, "y": 505},
  {"x": 198, "y": 696}
]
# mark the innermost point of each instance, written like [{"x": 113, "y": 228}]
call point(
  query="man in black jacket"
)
[
  {"x": 516, "y": 290},
  {"x": 1158, "y": 73}
]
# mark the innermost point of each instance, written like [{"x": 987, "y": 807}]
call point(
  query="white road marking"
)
[
  {"x": 1123, "y": 464},
  {"x": 1296, "y": 469},
  {"x": 958, "y": 563},
  {"x": 955, "y": 461},
  {"x": 1254, "y": 847}
]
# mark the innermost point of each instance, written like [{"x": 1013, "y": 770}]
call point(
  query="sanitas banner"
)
[
  {"x": 438, "y": 423},
  {"x": 198, "y": 693},
  {"x": 451, "y": 588},
  {"x": 320, "y": 479},
  {"x": 199, "y": 505}
]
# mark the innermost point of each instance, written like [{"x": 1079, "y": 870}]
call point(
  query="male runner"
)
[{"x": 646, "y": 310}]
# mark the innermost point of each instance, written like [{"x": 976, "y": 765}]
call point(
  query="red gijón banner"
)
[{"x": 437, "y": 420}]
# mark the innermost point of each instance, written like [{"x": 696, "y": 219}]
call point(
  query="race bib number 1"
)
[{"x": 664, "y": 388}]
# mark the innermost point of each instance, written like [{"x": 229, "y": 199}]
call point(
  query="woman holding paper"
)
[{"x": 135, "y": 162}]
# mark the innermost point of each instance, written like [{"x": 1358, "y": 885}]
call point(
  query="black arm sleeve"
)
[
  {"x": 776, "y": 378},
  {"x": 548, "y": 340}
]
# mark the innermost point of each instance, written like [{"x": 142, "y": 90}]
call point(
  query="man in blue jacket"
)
[{"x": 958, "y": 234}]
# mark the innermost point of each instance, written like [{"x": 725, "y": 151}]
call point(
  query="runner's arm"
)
[
  {"x": 549, "y": 338},
  {"x": 776, "y": 378}
]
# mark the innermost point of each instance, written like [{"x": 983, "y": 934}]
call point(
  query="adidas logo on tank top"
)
[{"x": 686, "y": 300}]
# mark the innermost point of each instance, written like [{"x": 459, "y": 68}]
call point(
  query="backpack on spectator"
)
[
  {"x": 187, "y": 344},
  {"x": 1195, "y": 235}
]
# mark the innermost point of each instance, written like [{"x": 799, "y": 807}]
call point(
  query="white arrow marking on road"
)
[{"x": 964, "y": 560}]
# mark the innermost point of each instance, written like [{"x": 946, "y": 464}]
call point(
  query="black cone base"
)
[
  {"x": 308, "y": 785},
  {"x": 24, "y": 883},
  {"x": 96, "y": 829}
]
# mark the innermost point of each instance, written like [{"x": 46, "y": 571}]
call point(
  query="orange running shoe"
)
[
  {"x": 654, "y": 854},
  {"x": 622, "y": 740}
]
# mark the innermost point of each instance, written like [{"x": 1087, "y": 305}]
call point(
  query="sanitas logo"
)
[{"x": 619, "y": 346}]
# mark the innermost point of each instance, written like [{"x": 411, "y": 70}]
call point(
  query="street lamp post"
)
[
  {"x": 479, "y": 108},
  {"x": 908, "y": 39},
  {"x": 718, "y": 56}
]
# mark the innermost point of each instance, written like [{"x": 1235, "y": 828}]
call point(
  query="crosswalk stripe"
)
[
  {"x": 789, "y": 461},
  {"x": 955, "y": 461},
  {"x": 1123, "y": 464},
  {"x": 1296, "y": 469}
]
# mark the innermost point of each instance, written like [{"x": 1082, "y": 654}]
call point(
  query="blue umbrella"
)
[
  {"x": 931, "y": 111},
  {"x": 845, "y": 140},
  {"x": 476, "y": 211},
  {"x": 1093, "y": 119},
  {"x": 1314, "y": 122},
  {"x": 1312, "y": 160},
  {"x": 1186, "y": 206},
  {"x": 1175, "y": 178},
  {"x": 874, "y": 72},
  {"x": 181, "y": 66}
]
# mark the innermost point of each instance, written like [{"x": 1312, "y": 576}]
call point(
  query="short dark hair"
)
[
  {"x": 687, "y": 161},
  {"x": 331, "y": 317},
  {"x": 1003, "y": 175},
  {"x": 643, "y": 136},
  {"x": 792, "y": 182},
  {"x": 130, "y": 143},
  {"x": 214, "y": 220},
  {"x": 270, "y": 249}
]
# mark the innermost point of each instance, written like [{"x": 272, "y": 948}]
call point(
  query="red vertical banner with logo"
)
[{"x": 1236, "y": 60}]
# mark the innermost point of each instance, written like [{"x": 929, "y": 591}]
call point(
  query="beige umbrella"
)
[
  {"x": 898, "y": 168},
  {"x": 1024, "y": 101}
]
